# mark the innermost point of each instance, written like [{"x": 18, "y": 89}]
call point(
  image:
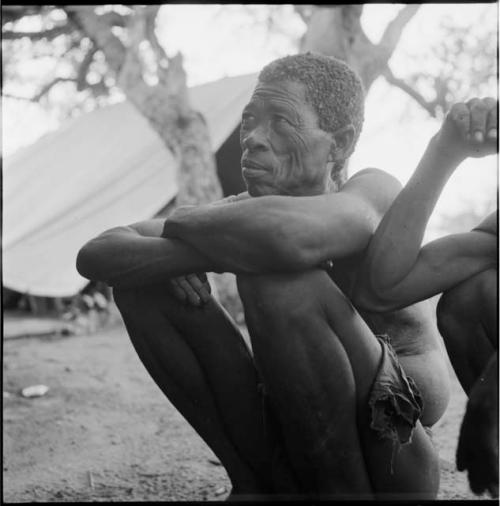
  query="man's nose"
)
[{"x": 255, "y": 139}]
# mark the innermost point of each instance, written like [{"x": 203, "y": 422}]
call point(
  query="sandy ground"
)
[{"x": 104, "y": 431}]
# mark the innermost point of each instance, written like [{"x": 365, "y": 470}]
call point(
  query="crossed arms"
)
[{"x": 250, "y": 235}]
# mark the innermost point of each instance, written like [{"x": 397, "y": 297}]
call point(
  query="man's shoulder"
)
[
  {"x": 372, "y": 177},
  {"x": 375, "y": 186}
]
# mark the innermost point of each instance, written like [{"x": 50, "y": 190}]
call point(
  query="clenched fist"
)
[{"x": 470, "y": 129}]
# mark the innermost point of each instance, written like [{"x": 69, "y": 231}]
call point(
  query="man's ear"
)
[{"x": 343, "y": 142}]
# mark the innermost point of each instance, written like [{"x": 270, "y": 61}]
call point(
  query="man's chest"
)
[{"x": 411, "y": 329}]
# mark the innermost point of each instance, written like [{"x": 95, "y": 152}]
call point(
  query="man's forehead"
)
[{"x": 290, "y": 91}]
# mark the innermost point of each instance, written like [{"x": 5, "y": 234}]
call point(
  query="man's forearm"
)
[
  {"x": 267, "y": 233},
  {"x": 394, "y": 249},
  {"x": 122, "y": 258},
  {"x": 225, "y": 232}
]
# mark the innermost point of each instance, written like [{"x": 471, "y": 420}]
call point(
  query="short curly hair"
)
[{"x": 332, "y": 88}]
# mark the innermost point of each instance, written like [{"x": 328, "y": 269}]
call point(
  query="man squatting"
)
[{"x": 330, "y": 401}]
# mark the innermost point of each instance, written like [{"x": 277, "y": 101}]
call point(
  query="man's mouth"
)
[{"x": 250, "y": 168}]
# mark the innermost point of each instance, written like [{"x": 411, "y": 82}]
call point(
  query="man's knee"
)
[
  {"x": 466, "y": 299},
  {"x": 282, "y": 297},
  {"x": 124, "y": 298},
  {"x": 134, "y": 301}
]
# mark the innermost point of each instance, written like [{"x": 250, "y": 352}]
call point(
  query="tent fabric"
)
[{"x": 103, "y": 169}]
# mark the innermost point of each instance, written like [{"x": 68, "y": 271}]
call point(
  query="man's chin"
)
[{"x": 260, "y": 190}]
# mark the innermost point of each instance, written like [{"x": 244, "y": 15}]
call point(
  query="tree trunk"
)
[
  {"x": 165, "y": 105},
  {"x": 337, "y": 31},
  {"x": 198, "y": 182},
  {"x": 167, "y": 108}
]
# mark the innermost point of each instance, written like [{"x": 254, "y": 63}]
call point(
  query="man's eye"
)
[
  {"x": 281, "y": 120},
  {"x": 247, "y": 117}
]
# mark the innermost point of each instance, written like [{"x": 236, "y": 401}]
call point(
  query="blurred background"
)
[{"x": 113, "y": 114}]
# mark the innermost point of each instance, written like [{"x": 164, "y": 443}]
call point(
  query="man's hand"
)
[
  {"x": 478, "y": 442},
  {"x": 470, "y": 129},
  {"x": 192, "y": 289}
]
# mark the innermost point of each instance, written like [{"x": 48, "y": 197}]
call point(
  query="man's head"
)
[{"x": 300, "y": 126}]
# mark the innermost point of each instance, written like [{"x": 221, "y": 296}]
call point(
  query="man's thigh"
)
[
  {"x": 398, "y": 461},
  {"x": 317, "y": 311},
  {"x": 200, "y": 352}
]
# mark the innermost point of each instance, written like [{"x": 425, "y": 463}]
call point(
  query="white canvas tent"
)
[{"x": 104, "y": 169}]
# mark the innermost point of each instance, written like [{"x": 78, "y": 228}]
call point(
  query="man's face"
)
[{"x": 284, "y": 150}]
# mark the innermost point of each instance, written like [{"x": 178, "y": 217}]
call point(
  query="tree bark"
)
[
  {"x": 165, "y": 105},
  {"x": 337, "y": 31}
]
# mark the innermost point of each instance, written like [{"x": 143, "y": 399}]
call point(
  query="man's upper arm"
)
[
  {"x": 354, "y": 214},
  {"x": 376, "y": 187},
  {"x": 281, "y": 233},
  {"x": 440, "y": 265}
]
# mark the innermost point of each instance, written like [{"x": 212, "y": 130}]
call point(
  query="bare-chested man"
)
[
  {"x": 398, "y": 272},
  {"x": 321, "y": 405}
]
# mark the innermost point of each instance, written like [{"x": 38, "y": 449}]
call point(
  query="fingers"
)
[
  {"x": 471, "y": 129},
  {"x": 478, "y": 115},
  {"x": 483, "y": 120},
  {"x": 492, "y": 119},
  {"x": 459, "y": 116},
  {"x": 191, "y": 295},
  {"x": 193, "y": 289},
  {"x": 200, "y": 285},
  {"x": 177, "y": 290}
]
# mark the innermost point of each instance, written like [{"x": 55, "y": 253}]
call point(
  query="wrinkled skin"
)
[{"x": 280, "y": 135}]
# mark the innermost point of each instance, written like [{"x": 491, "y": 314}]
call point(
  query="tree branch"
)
[
  {"x": 430, "y": 107},
  {"x": 17, "y": 97},
  {"x": 49, "y": 86},
  {"x": 12, "y": 13},
  {"x": 97, "y": 30},
  {"x": 44, "y": 34},
  {"x": 115, "y": 19},
  {"x": 81, "y": 81},
  {"x": 150, "y": 13},
  {"x": 130, "y": 76},
  {"x": 394, "y": 29}
]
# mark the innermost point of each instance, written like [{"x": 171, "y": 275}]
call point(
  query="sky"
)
[{"x": 218, "y": 41}]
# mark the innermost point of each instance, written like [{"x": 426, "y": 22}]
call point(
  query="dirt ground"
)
[{"x": 104, "y": 431}]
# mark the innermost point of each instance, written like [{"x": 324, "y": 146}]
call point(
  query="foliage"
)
[
  {"x": 461, "y": 65},
  {"x": 45, "y": 55},
  {"x": 55, "y": 56}
]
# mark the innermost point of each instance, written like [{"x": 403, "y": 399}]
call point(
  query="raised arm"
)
[
  {"x": 278, "y": 233},
  {"x": 397, "y": 271}
]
